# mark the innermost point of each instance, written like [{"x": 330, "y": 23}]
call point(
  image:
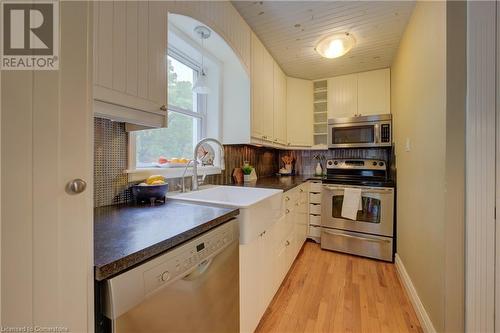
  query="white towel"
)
[{"x": 352, "y": 203}]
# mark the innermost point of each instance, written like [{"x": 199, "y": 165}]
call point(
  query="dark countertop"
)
[
  {"x": 284, "y": 183},
  {"x": 126, "y": 235}
]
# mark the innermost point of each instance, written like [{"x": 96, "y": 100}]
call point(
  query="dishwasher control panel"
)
[{"x": 181, "y": 261}]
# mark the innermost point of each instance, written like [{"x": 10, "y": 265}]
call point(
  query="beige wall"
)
[{"x": 418, "y": 102}]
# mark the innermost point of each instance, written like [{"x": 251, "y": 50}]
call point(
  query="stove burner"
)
[{"x": 362, "y": 172}]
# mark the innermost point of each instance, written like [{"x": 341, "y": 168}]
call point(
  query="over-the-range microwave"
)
[{"x": 361, "y": 131}]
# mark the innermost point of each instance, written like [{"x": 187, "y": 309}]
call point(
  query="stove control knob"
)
[
  {"x": 381, "y": 163},
  {"x": 374, "y": 163},
  {"x": 330, "y": 162},
  {"x": 336, "y": 162}
]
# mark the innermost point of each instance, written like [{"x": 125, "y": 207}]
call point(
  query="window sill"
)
[{"x": 143, "y": 173}]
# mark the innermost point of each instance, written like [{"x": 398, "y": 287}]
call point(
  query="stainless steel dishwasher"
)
[{"x": 192, "y": 288}]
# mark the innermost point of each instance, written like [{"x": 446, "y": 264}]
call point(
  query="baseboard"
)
[{"x": 422, "y": 315}]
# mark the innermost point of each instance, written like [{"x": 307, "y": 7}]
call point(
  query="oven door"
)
[
  {"x": 376, "y": 216},
  {"x": 353, "y": 135}
]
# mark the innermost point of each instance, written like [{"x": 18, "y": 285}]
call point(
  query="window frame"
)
[
  {"x": 200, "y": 113},
  {"x": 201, "y": 100}
]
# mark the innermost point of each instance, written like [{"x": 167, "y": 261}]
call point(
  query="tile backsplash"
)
[
  {"x": 111, "y": 184},
  {"x": 110, "y": 160},
  {"x": 305, "y": 163}
]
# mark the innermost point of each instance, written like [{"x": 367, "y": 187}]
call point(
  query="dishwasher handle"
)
[{"x": 199, "y": 270}]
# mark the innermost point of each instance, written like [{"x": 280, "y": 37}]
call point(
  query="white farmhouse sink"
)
[{"x": 259, "y": 208}]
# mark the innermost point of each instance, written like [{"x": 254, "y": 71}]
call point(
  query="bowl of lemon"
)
[{"x": 153, "y": 189}]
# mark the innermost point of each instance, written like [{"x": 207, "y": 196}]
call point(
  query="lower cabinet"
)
[{"x": 265, "y": 261}]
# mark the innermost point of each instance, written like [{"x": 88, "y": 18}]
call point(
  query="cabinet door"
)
[
  {"x": 266, "y": 249},
  {"x": 257, "y": 88},
  {"x": 268, "y": 107},
  {"x": 343, "y": 96},
  {"x": 299, "y": 112},
  {"x": 130, "y": 72},
  {"x": 279, "y": 105},
  {"x": 250, "y": 286},
  {"x": 374, "y": 92}
]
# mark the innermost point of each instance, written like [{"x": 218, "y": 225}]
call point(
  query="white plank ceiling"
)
[{"x": 291, "y": 29}]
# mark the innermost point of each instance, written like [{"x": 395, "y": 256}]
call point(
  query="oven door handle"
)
[
  {"x": 365, "y": 191},
  {"x": 376, "y": 240}
]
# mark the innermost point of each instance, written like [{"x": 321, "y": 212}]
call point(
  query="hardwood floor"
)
[{"x": 332, "y": 292}]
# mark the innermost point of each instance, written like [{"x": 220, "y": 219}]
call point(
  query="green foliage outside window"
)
[{"x": 176, "y": 141}]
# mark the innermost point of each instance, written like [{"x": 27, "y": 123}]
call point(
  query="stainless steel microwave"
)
[{"x": 359, "y": 132}]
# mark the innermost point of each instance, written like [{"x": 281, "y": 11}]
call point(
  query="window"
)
[{"x": 186, "y": 116}]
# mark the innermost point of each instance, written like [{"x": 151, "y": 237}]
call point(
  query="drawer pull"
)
[{"x": 376, "y": 240}]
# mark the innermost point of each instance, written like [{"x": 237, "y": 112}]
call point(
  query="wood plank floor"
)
[{"x": 331, "y": 292}]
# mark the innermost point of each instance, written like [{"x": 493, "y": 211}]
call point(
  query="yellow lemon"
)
[{"x": 153, "y": 178}]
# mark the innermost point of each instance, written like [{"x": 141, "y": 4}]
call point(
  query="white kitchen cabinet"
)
[
  {"x": 359, "y": 94},
  {"x": 299, "y": 112},
  {"x": 262, "y": 92},
  {"x": 279, "y": 110},
  {"x": 265, "y": 261},
  {"x": 374, "y": 92},
  {"x": 257, "y": 78},
  {"x": 130, "y": 70},
  {"x": 343, "y": 96}
]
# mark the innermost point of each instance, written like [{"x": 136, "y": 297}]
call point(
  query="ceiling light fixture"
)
[
  {"x": 201, "y": 84},
  {"x": 336, "y": 45}
]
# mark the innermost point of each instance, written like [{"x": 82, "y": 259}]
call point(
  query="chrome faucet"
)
[{"x": 194, "y": 185}]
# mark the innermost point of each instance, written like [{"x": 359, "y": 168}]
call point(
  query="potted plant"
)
[{"x": 247, "y": 171}]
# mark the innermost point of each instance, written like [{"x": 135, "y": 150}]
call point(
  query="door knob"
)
[
  {"x": 163, "y": 108},
  {"x": 76, "y": 186}
]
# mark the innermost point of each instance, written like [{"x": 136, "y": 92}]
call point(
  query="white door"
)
[{"x": 47, "y": 265}]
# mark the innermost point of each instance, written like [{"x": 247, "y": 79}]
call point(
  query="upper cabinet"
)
[
  {"x": 374, "y": 92},
  {"x": 279, "y": 110},
  {"x": 343, "y": 96},
  {"x": 130, "y": 74},
  {"x": 359, "y": 94},
  {"x": 299, "y": 112},
  {"x": 268, "y": 96}
]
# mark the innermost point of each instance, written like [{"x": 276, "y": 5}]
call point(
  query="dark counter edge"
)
[
  {"x": 133, "y": 260},
  {"x": 270, "y": 182}
]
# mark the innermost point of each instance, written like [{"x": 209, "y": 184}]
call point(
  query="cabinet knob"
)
[
  {"x": 287, "y": 211},
  {"x": 163, "y": 108},
  {"x": 287, "y": 198},
  {"x": 76, "y": 186},
  {"x": 287, "y": 243}
]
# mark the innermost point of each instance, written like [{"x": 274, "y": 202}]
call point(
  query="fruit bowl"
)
[{"x": 144, "y": 193}]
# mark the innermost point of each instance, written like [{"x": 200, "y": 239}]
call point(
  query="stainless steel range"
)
[{"x": 370, "y": 230}]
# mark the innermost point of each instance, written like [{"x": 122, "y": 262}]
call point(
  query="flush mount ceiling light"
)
[
  {"x": 201, "y": 84},
  {"x": 336, "y": 45}
]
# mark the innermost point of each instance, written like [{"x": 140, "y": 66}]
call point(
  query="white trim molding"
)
[{"x": 418, "y": 306}]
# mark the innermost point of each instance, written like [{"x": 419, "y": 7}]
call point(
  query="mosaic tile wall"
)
[
  {"x": 110, "y": 160},
  {"x": 111, "y": 185},
  {"x": 305, "y": 163}
]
